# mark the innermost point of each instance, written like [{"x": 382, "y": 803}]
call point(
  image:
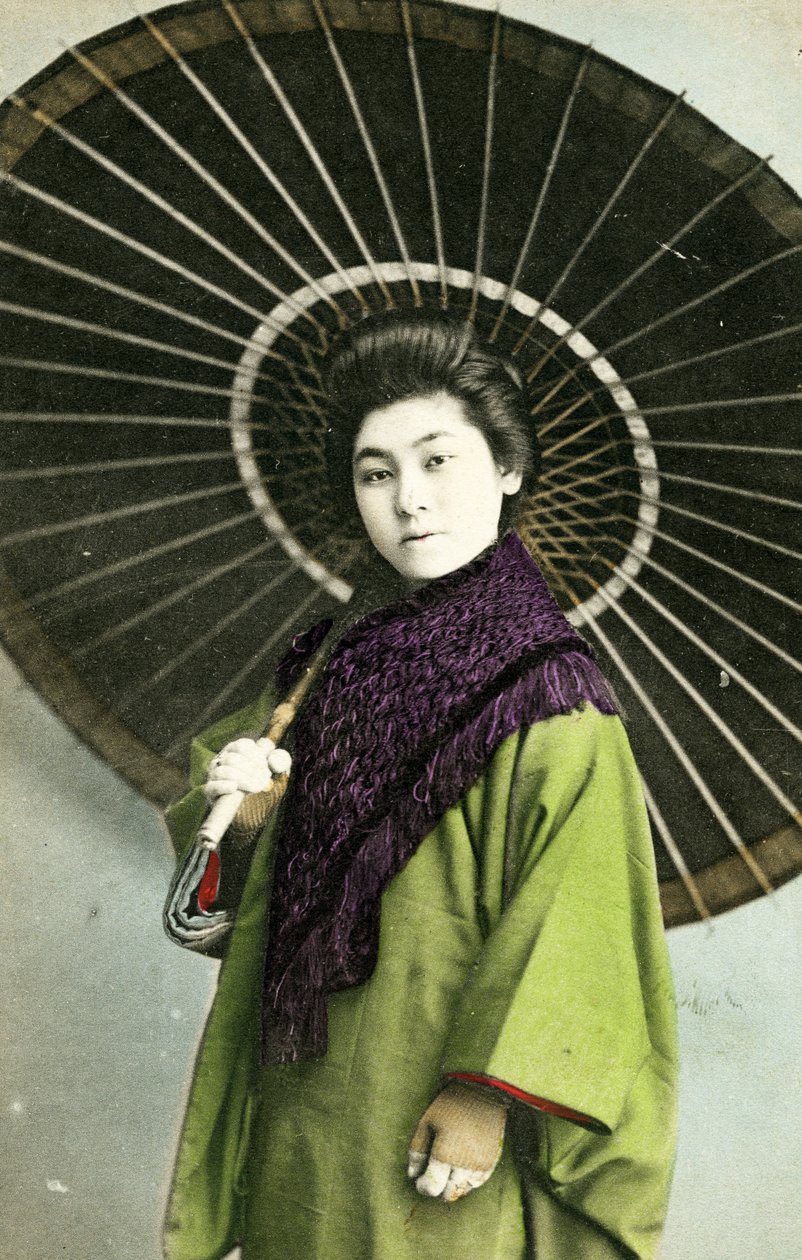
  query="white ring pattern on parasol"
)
[{"x": 284, "y": 314}]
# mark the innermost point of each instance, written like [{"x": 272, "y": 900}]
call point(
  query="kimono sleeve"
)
[
  {"x": 207, "y": 887},
  {"x": 571, "y": 993}
]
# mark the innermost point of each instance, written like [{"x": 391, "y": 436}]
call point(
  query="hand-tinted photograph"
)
[{"x": 399, "y": 617}]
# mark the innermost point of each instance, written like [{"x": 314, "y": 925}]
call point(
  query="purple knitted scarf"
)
[{"x": 412, "y": 703}]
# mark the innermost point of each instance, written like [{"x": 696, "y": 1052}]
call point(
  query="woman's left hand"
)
[{"x": 457, "y": 1142}]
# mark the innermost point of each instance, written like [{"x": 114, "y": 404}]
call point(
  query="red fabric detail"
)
[
  {"x": 210, "y": 883},
  {"x": 542, "y": 1104}
]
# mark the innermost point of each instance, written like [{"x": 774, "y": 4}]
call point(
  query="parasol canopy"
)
[{"x": 195, "y": 202}]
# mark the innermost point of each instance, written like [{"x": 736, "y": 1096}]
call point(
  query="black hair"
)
[{"x": 410, "y": 354}]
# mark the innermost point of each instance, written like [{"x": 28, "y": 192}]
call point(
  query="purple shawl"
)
[{"x": 412, "y": 703}]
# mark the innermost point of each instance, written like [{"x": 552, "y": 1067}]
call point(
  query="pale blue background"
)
[{"x": 99, "y": 1014}]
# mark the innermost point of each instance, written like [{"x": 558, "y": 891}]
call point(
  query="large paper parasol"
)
[{"x": 196, "y": 201}]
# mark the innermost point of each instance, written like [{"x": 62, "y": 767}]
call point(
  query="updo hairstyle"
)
[{"x": 400, "y": 355}]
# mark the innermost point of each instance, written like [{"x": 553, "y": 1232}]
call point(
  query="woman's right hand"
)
[{"x": 245, "y": 765}]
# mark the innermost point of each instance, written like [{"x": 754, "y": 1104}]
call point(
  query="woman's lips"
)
[{"x": 413, "y": 538}]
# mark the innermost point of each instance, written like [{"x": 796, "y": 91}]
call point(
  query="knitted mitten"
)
[{"x": 457, "y": 1141}]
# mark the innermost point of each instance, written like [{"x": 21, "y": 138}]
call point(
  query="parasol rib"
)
[
  {"x": 154, "y": 256},
  {"x": 256, "y": 157},
  {"x": 490, "y": 113},
  {"x": 741, "y": 491},
  {"x": 131, "y": 339},
  {"x": 141, "y": 557},
  {"x": 203, "y": 173},
  {"x": 83, "y": 417},
  {"x": 678, "y": 311},
  {"x": 713, "y": 804},
  {"x": 674, "y": 852},
  {"x": 118, "y": 465},
  {"x": 724, "y": 729},
  {"x": 423, "y": 124},
  {"x": 591, "y": 456},
  {"x": 311, "y": 149},
  {"x": 169, "y": 264},
  {"x": 734, "y": 674},
  {"x": 204, "y": 579},
  {"x": 115, "y": 514},
  {"x": 714, "y": 404},
  {"x": 579, "y": 520},
  {"x": 541, "y": 198},
  {"x": 530, "y": 519},
  {"x": 216, "y": 703},
  {"x": 572, "y": 522},
  {"x": 565, "y": 414},
  {"x": 547, "y": 497},
  {"x": 131, "y": 697},
  {"x": 303, "y": 387},
  {"x": 546, "y": 393},
  {"x": 659, "y": 254},
  {"x": 109, "y": 374},
  {"x": 679, "y": 752},
  {"x": 743, "y": 626},
  {"x": 702, "y": 555},
  {"x": 737, "y": 532},
  {"x": 696, "y": 778},
  {"x": 165, "y": 206},
  {"x": 550, "y": 479},
  {"x": 742, "y": 448},
  {"x": 140, "y": 299},
  {"x": 369, "y": 149},
  {"x": 746, "y": 344},
  {"x": 674, "y": 366},
  {"x": 745, "y": 534},
  {"x": 656, "y": 131}
]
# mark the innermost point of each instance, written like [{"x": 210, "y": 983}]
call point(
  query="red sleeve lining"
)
[
  {"x": 209, "y": 886},
  {"x": 542, "y": 1104}
]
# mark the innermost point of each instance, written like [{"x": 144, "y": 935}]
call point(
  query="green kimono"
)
[{"x": 522, "y": 942}]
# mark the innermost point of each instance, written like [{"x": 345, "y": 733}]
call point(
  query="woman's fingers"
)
[
  {"x": 241, "y": 766},
  {"x": 416, "y": 1162},
  {"x": 438, "y": 1178},
  {"x": 279, "y": 761},
  {"x": 245, "y": 765},
  {"x": 461, "y": 1181},
  {"x": 441, "y": 1180},
  {"x": 419, "y": 1146},
  {"x": 435, "y": 1179},
  {"x": 244, "y": 745},
  {"x": 221, "y": 785},
  {"x": 214, "y": 788}
]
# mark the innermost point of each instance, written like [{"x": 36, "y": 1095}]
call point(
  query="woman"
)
[{"x": 444, "y": 1025}]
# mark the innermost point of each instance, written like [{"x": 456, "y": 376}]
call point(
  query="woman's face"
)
[{"x": 427, "y": 487}]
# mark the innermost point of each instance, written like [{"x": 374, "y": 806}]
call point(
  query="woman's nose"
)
[{"x": 410, "y": 495}]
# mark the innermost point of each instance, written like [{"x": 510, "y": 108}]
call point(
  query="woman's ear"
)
[{"x": 511, "y": 481}]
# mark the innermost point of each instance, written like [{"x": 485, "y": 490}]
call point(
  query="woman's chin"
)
[{"x": 425, "y": 559}]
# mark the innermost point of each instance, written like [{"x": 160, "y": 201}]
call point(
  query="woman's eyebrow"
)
[
  {"x": 430, "y": 437},
  {"x": 375, "y": 452},
  {"x": 371, "y": 452}
]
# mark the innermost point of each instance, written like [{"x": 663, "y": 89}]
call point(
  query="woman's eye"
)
[
  {"x": 375, "y": 475},
  {"x": 435, "y": 461}
]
